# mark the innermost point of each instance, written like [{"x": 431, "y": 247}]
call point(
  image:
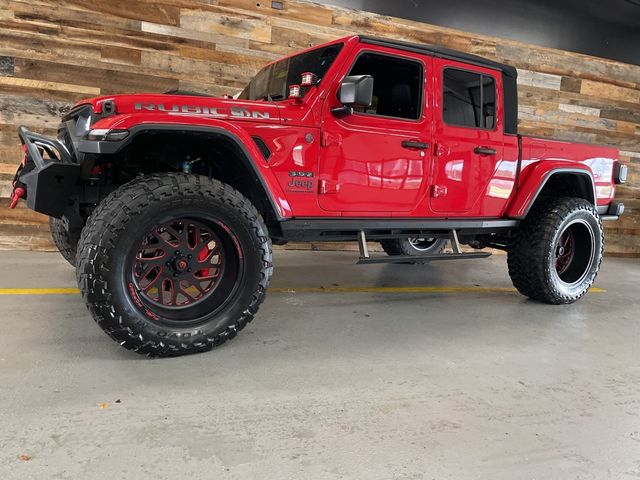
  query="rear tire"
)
[
  {"x": 172, "y": 264},
  {"x": 64, "y": 239},
  {"x": 556, "y": 252},
  {"x": 414, "y": 246}
]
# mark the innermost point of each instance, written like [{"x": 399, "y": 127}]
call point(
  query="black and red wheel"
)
[
  {"x": 556, "y": 253},
  {"x": 173, "y": 264}
]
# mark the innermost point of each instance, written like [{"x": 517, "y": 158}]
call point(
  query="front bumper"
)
[{"x": 46, "y": 183}]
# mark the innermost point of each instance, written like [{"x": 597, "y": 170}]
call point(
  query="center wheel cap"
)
[{"x": 181, "y": 265}]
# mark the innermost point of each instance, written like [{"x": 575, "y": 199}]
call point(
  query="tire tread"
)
[
  {"x": 528, "y": 266},
  {"x": 66, "y": 242},
  {"x": 108, "y": 220}
]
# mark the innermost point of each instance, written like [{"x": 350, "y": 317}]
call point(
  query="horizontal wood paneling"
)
[{"x": 53, "y": 53}]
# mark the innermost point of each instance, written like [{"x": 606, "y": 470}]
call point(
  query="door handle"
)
[
  {"x": 484, "y": 151},
  {"x": 412, "y": 144}
]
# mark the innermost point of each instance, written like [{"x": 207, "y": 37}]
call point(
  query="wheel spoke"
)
[
  {"x": 193, "y": 237},
  {"x": 158, "y": 279},
  {"x": 564, "y": 252},
  {"x": 147, "y": 271},
  {"x": 166, "y": 286},
  {"x": 158, "y": 236},
  {"x": 157, "y": 261},
  {"x": 178, "y": 263},
  {"x": 195, "y": 285},
  {"x": 184, "y": 235},
  {"x": 208, "y": 275},
  {"x": 181, "y": 237}
]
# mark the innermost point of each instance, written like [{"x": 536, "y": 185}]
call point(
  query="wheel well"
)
[
  {"x": 210, "y": 154},
  {"x": 567, "y": 184}
]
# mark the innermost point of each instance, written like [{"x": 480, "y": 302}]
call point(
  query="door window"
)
[
  {"x": 397, "y": 85},
  {"x": 468, "y": 99}
]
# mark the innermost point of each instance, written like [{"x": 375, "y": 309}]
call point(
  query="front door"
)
[
  {"x": 468, "y": 133},
  {"x": 374, "y": 161}
]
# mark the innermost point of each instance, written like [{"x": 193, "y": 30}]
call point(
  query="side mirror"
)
[{"x": 355, "y": 91}]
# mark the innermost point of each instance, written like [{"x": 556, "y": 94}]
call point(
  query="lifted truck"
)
[{"x": 168, "y": 205}]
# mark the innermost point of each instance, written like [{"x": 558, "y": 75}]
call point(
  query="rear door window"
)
[{"x": 468, "y": 99}]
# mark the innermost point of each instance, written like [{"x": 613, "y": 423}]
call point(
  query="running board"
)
[
  {"x": 422, "y": 258},
  {"x": 455, "y": 245}
]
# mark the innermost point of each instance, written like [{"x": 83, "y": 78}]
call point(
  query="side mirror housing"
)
[{"x": 355, "y": 91}]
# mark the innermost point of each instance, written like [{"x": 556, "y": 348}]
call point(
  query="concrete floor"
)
[{"x": 356, "y": 385}]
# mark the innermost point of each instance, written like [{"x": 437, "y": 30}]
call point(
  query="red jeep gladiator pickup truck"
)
[{"x": 168, "y": 204}]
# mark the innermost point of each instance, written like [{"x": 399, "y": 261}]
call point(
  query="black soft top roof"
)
[{"x": 441, "y": 52}]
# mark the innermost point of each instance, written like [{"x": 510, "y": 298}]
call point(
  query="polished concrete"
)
[{"x": 376, "y": 384}]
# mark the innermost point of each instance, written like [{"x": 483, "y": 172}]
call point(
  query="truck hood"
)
[{"x": 189, "y": 105}]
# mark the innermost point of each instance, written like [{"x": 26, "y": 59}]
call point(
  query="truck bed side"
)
[{"x": 542, "y": 158}]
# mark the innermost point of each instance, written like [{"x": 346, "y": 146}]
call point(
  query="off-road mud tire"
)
[
  {"x": 108, "y": 243},
  {"x": 533, "y": 253},
  {"x": 65, "y": 240}
]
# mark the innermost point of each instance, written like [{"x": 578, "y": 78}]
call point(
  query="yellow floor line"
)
[
  {"x": 39, "y": 291},
  {"x": 75, "y": 291}
]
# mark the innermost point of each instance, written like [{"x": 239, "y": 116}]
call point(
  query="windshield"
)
[{"x": 272, "y": 81}]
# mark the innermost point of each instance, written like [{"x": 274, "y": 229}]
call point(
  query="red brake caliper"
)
[{"x": 202, "y": 256}]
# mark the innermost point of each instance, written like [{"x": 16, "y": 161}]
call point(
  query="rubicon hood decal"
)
[
  {"x": 218, "y": 111},
  {"x": 192, "y": 106}
]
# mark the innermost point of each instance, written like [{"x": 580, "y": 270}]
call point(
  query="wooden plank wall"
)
[{"x": 53, "y": 53}]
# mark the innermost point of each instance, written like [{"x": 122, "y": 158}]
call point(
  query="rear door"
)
[
  {"x": 375, "y": 161},
  {"x": 468, "y": 136}
]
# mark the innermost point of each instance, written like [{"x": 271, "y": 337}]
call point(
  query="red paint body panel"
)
[
  {"x": 542, "y": 157},
  {"x": 356, "y": 164},
  {"x": 363, "y": 160},
  {"x": 476, "y": 185}
]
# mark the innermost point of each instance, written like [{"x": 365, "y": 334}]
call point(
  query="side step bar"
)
[
  {"x": 455, "y": 245},
  {"x": 422, "y": 258}
]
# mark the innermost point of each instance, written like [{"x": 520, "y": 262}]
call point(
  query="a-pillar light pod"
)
[
  {"x": 308, "y": 79},
  {"x": 295, "y": 91}
]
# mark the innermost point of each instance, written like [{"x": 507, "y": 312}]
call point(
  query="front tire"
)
[
  {"x": 171, "y": 264},
  {"x": 556, "y": 252}
]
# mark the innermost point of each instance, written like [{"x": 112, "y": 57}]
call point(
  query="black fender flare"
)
[
  {"x": 249, "y": 159},
  {"x": 525, "y": 197}
]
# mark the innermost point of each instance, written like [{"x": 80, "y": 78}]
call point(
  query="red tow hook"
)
[{"x": 17, "y": 194}]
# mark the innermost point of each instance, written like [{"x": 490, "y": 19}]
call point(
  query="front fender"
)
[
  {"x": 536, "y": 177},
  {"x": 141, "y": 123}
]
